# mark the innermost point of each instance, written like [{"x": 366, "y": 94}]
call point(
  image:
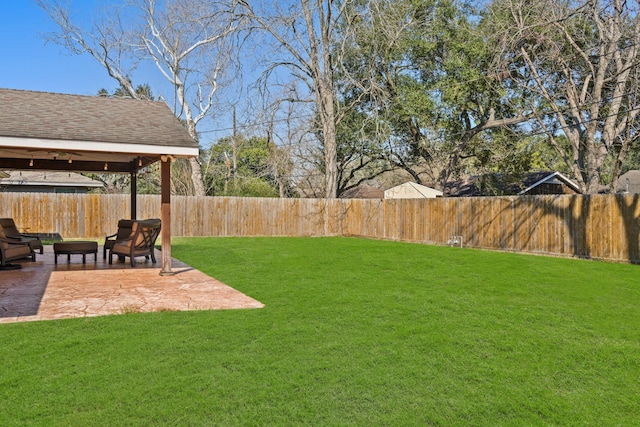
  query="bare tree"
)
[
  {"x": 578, "y": 62},
  {"x": 305, "y": 32},
  {"x": 279, "y": 118},
  {"x": 189, "y": 41},
  {"x": 300, "y": 159}
]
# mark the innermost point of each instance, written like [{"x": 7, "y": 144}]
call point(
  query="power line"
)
[{"x": 264, "y": 123}]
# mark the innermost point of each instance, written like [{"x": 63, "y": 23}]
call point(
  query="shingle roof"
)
[
  {"x": 363, "y": 191},
  {"x": 43, "y": 115},
  {"x": 501, "y": 184}
]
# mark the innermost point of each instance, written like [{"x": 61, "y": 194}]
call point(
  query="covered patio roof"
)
[
  {"x": 52, "y": 128},
  {"x": 51, "y": 131}
]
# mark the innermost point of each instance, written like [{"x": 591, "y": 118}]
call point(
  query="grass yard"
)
[{"x": 354, "y": 333}]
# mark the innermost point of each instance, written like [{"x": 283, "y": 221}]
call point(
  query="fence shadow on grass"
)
[{"x": 575, "y": 216}]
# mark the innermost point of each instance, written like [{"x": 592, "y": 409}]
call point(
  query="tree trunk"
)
[
  {"x": 194, "y": 162},
  {"x": 196, "y": 177},
  {"x": 330, "y": 151}
]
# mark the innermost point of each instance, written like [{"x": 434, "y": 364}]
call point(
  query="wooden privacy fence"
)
[{"x": 598, "y": 226}]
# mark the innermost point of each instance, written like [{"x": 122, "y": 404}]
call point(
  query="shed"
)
[
  {"x": 411, "y": 190},
  {"x": 61, "y": 132}
]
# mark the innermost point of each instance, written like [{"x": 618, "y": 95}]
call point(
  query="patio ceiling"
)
[{"x": 43, "y": 158}]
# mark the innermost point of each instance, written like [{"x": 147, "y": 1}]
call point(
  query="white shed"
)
[{"x": 411, "y": 190}]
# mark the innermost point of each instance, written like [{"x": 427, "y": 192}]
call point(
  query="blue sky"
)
[{"x": 28, "y": 62}]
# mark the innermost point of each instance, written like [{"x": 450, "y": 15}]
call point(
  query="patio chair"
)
[
  {"x": 140, "y": 243},
  {"x": 11, "y": 250},
  {"x": 124, "y": 231},
  {"x": 8, "y": 230}
]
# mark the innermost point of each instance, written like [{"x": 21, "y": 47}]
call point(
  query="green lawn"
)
[{"x": 354, "y": 332}]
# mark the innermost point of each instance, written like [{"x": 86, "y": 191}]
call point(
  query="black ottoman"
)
[{"x": 75, "y": 248}]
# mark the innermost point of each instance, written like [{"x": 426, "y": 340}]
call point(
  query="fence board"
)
[{"x": 602, "y": 226}]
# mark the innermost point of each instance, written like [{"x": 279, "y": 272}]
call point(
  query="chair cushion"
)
[
  {"x": 125, "y": 228},
  {"x": 15, "y": 251},
  {"x": 122, "y": 247},
  {"x": 9, "y": 228}
]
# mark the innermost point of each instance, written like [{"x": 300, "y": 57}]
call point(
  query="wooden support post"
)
[
  {"x": 134, "y": 195},
  {"x": 165, "y": 215}
]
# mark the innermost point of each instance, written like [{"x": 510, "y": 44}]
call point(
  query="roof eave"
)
[
  {"x": 563, "y": 178},
  {"x": 36, "y": 144}
]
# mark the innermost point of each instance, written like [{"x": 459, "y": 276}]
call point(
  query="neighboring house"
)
[
  {"x": 629, "y": 183},
  {"x": 411, "y": 190},
  {"x": 535, "y": 183},
  {"x": 38, "y": 181},
  {"x": 363, "y": 191}
]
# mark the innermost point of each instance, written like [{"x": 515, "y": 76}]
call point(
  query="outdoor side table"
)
[{"x": 75, "y": 248}]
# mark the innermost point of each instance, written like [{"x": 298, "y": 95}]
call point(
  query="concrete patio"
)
[{"x": 42, "y": 290}]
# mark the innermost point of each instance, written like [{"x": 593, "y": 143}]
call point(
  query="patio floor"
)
[{"x": 42, "y": 290}]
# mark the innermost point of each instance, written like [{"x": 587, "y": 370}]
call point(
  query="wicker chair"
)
[
  {"x": 8, "y": 230},
  {"x": 141, "y": 242},
  {"x": 124, "y": 230}
]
